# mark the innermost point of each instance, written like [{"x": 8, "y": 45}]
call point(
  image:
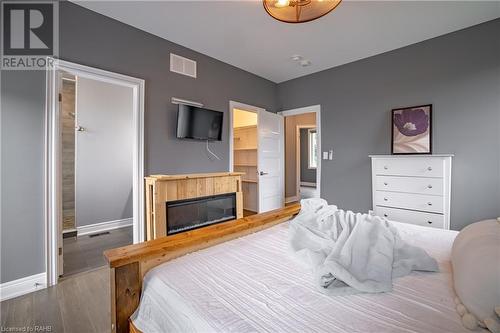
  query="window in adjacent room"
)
[{"x": 313, "y": 148}]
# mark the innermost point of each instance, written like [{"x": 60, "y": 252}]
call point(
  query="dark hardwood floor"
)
[
  {"x": 84, "y": 253},
  {"x": 79, "y": 304}
]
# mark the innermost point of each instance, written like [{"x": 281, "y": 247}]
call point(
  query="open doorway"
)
[
  {"x": 256, "y": 143},
  {"x": 302, "y": 148},
  {"x": 245, "y": 143},
  {"x": 307, "y": 160},
  {"x": 94, "y": 164},
  {"x": 96, "y": 149}
]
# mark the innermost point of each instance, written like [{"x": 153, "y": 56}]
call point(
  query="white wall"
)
[{"x": 103, "y": 152}]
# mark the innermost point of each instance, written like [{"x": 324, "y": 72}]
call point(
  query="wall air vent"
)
[{"x": 182, "y": 65}]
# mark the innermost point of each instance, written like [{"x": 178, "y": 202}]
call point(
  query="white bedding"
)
[
  {"x": 352, "y": 252},
  {"x": 253, "y": 284}
]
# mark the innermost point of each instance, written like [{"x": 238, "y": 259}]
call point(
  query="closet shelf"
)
[{"x": 254, "y": 148}]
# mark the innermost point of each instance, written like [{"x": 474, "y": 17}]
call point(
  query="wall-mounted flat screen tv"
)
[{"x": 199, "y": 123}]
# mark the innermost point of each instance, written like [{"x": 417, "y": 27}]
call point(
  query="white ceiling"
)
[{"x": 242, "y": 34}]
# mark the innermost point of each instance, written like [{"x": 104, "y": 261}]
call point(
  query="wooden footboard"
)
[
  {"x": 133, "y": 329},
  {"x": 129, "y": 264}
]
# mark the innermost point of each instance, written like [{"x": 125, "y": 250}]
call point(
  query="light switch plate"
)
[{"x": 325, "y": 155}]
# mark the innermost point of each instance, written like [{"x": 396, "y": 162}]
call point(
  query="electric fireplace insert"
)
[{"x": 188, "y": 214}]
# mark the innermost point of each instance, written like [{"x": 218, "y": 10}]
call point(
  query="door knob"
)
[
  {"x": 262, "y": 173},
  {"x": 429, "y": 186},
  {"x": 80, "y": 128},
  {"x": 429, "y": 168}
]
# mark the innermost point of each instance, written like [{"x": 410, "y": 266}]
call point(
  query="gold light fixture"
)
[{"x": 299, "y": 11}]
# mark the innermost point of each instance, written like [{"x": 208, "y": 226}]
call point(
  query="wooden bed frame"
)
[{"x": 129, "y": 264}]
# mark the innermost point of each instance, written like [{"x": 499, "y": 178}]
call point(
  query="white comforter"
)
[
  {"x": 352, "y": 252},
  {"x": 253, "y": 284}
]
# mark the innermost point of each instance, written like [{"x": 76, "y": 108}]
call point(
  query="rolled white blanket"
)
[{"x": 352, "y": 252}]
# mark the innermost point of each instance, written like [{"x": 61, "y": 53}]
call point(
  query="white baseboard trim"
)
[
  {"x": 103, "y": 226},
  {"x": 23, "y": 286},
  {"x": 291, "y": 199},
  {"x": 308, "y": 184}
]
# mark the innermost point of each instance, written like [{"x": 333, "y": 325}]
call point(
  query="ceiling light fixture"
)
[{"x": 299, "y": 11}]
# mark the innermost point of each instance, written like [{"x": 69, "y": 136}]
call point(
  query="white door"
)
[
  {"x": 104, "y": 153},
  {"x": 271, "y": 161}
]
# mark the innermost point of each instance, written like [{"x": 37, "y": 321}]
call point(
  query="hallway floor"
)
[
  {"x": 84, "y": 253},
  {"x": 307, "y": 192}
]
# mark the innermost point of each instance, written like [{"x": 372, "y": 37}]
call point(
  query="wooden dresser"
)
[{"x": 412, "y": 188}]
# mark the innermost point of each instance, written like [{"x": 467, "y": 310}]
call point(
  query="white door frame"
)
[
  {"x": 53, "y": 206},
  {"x": 298, "y": 155},
  {"x": 310, "y": 109}
]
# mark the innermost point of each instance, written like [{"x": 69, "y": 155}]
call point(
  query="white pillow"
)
[{"x": 475, "y": 258}]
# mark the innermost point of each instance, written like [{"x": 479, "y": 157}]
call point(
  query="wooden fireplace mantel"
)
[
  {"x": 163, "y": 188},
  {"x": 195, "y": 175}
]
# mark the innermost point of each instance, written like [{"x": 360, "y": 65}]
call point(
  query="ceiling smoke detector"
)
[{"x": 305, "y": 63}]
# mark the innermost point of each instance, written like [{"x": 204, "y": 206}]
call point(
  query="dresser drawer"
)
[
  {"x": 419, "y": 185},
  {"x": 421, "y": 202},
  {"x": 428, "y": 167},
  {"x": 408, "y": 216}
]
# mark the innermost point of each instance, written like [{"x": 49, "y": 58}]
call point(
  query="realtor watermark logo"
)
[{"x": 29, "y": 34}]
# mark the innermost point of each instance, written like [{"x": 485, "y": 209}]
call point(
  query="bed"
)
[{"x": 252, "y": 283}]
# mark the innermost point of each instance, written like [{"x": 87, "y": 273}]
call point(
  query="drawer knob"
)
[
  {"x": 429, "y": 203},
  {"x": 429, "y": 168},
  {"x": 430, "y": 222},
  {"x": 385, "y": 199},
  {"x": 385, "y": 215},
  {"x": 429, "y": 186},
  {"x": 386, "y": 167},
  {"x": 386, "y": 184}
]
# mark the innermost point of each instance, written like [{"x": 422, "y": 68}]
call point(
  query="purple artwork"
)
[{"x": 411, "y": 130}]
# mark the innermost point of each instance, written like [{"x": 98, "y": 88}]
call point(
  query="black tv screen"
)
[{"x": 198, "y": 123}]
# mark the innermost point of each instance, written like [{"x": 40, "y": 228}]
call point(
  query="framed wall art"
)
[{"x": 412, "y": 130}]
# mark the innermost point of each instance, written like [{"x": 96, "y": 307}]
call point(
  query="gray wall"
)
[
  {"x": 91, "y": 39},
  {"x": 458, "y": 73},
  {"x": 22, "y": 219},
  {"x": 306, "y": 174}
]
